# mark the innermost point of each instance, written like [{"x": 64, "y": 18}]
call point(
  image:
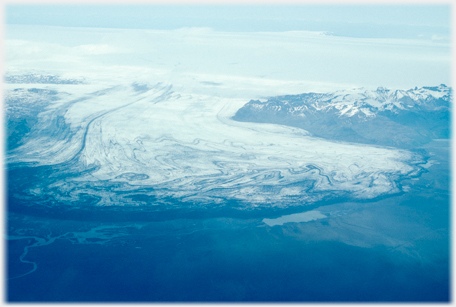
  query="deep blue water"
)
[
  {"x": 393, "y": 249},
  {"x": 225, "y": 266}
]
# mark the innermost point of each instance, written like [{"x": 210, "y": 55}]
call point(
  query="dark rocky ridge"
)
[{"x": 384, "y": 117}]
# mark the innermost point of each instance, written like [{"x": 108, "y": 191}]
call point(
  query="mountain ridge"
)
[{"x": 399, "y": 118}]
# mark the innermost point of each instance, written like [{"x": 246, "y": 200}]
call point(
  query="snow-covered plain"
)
[{"x": 155, "y": 114}]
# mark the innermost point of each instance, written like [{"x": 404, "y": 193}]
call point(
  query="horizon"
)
[{"x": 423, "y": 21}]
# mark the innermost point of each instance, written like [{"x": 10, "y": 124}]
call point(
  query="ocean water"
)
[{"x": 389, "y": 249}]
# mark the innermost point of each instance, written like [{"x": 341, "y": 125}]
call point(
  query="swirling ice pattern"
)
[{"x": 164, "y": 145}]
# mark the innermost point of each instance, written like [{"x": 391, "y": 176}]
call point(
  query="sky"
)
[{"x": 379, "y": 21}]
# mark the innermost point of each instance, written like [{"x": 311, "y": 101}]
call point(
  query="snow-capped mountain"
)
[{"x": 402, "y": 118}]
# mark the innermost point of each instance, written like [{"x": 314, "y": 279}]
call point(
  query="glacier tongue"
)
[{"x": 186, "y": 146}]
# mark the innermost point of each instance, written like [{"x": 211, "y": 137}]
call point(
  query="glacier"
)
[{"x": 170, "y": 144}]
